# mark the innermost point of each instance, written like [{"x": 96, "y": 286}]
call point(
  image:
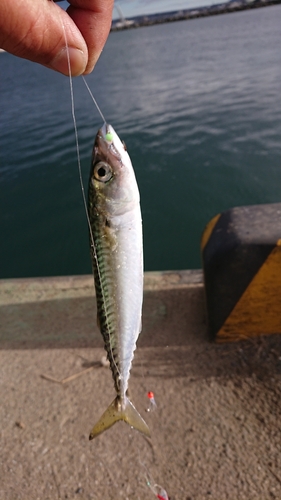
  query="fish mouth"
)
[
  {"x": 111, "y": 141},
  {"x": 108, "y": 133},
  {"x": 105, "y": 144}
]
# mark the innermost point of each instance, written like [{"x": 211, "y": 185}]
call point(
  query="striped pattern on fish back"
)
[{"x": 105, "y": 281}]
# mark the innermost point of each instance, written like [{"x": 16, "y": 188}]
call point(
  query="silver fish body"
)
[{"x": 117, "y": 258}]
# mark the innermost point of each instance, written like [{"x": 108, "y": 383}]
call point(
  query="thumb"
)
[{"x": 36, "y": 30}]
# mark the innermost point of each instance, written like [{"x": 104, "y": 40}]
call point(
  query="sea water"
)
[{"x": 198, "y": 106}]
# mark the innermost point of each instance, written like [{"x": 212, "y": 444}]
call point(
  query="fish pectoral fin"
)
[{"x": 116, "y": 412}]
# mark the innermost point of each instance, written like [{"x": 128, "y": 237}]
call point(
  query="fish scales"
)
[{"x": 117, "y": 260}]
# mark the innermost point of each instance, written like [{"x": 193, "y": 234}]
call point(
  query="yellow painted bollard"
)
[{"x": 241, "y": 254}]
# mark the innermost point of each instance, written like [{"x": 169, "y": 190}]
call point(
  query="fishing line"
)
[
  {"x": 81, "y": 178},
  {"x": 156, "y": 489},
  {"x": 76, "y": 137},
  {"x": 96, "y": 104}
]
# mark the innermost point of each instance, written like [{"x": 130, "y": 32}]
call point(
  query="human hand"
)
[{"x": 33, "y": 29}]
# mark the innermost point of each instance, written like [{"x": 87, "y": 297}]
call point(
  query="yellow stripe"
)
[
  {"x": 208, "y": 231},
  {"x": 258, "y": 311}
]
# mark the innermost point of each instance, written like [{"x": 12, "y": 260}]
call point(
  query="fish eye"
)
[{"x": 102, "y": 171}]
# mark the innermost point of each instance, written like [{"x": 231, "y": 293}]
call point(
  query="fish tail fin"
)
[{"x": 116, "y": 411}]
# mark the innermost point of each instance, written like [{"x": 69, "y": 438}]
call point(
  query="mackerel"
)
[{"x": 117, "y": 261}]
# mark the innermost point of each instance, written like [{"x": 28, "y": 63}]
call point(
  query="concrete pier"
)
[
  {"x": 215, "y": 431},
  {"x": 61, "y": 311}
]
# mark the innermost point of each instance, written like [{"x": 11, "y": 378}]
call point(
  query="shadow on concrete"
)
[
  {"x": 260, "y": 357},
  {"x": 173, "y": 314}
]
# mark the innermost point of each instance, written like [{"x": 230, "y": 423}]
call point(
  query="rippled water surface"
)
[{"x": 198, "y": 105}]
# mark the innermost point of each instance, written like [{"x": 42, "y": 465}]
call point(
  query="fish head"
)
[{"x": 112, "y": 176}]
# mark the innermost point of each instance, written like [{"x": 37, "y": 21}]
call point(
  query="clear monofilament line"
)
[
  {"x": 77, "y": 142},
  {"x": 80, "y": 170},
  {"x": 96, "y": 104}
]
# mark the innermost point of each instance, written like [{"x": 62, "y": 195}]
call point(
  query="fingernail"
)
[{"x": 76, "y": 58}]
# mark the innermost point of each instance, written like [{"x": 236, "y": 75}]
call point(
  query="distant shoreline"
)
[{"x": 214, "y": 10}]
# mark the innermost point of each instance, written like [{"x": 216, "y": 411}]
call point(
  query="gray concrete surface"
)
[
  {"x": 215, "y": 431},
  {"x": 61, "y": 311}
]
